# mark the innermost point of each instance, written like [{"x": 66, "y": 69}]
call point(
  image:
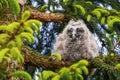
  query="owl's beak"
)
[{"x": 73, "y": 34}]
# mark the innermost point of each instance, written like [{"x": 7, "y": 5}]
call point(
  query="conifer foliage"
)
[
  {"x": 12, "y": 37},
  {"x": 102, "y": 18}
]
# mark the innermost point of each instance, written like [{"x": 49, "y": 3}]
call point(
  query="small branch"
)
[
  {"x": 101, "y": 64},
  {"x": 116, "y": 45},
  {"x": 43, "y": 16}
]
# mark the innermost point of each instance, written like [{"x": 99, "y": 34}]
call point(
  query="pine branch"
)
[
  {"x": 7, "y": 17},
  {"x": 43, "y": 16},
  {"x": 99, "y": 63},
  {"x": 34, "y": 58}
]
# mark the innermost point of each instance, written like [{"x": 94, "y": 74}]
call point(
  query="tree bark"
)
[
  {"x": 34, "y": 58},
  {"x": 44, "y": 16}
]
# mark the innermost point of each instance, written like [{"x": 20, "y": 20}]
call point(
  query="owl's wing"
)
[{"x": 58, "y": 47}]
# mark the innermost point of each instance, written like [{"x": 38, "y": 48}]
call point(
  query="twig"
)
[{"x": 116, "y": 45}]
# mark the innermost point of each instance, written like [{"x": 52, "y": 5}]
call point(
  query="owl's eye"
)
[
  {"x": 80, "y": 30},
  {"x": 70, "y": 30}
]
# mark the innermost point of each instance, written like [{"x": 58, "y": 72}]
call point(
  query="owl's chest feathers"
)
[{"x": 75, "y": 46}]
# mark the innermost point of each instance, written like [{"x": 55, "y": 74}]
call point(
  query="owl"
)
[{"x": 76, "y": 42}]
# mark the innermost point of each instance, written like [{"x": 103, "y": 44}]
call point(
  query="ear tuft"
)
[
  {"x": 71, "y": 21},
  {"x": 80, "y": 21}
]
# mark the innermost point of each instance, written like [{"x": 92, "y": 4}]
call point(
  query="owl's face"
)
[{"x": 75, "y": 32}]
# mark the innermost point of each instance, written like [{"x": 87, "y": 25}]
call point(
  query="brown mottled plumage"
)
[{"x": 76, "y": 42}]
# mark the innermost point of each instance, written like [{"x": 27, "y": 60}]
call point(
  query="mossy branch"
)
[{"x": 34, "y": 58}]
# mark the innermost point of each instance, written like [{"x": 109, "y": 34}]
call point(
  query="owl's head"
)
[{"x": 76, "y": 30}]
